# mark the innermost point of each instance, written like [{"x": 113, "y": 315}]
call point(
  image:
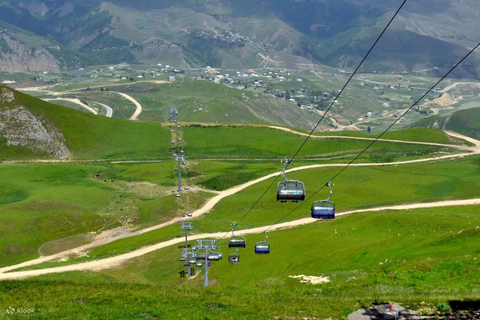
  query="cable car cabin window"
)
[
  {"x": 262, "y": 248},
  {"x": 324, "y": 210},
  {"x": 290, "y": 190},
  {"x": 237, "y": 242}
]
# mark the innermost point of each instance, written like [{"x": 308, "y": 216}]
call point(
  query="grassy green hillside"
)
[
  {"x": 400, "y": 256},
  {"x": 358, "y": 188},
  {"x": 90, "y": 136},
  {"x": 251, "y": 142},
  {"x": 464, "y": 121}
]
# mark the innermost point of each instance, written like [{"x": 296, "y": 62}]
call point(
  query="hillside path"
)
[
  {"x": 453, "y": 85},
  {"x": 76, "y": 101},
  {"x": 138, "y": 106}
]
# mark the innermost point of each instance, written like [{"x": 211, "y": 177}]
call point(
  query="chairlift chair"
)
[
  {"x": 183, "y": 256},
  {"x": 215, "y": 256},
  {"x": 290, "y": 190},
  {"x": 324, "y": 209},
  {"x": 234, "y": 257},
  {"x": 236, "y": 241},
  {"x": 199, "y": 265},
  {"x": 192, "y": 258},
  {"x": 262, "y": 247}
]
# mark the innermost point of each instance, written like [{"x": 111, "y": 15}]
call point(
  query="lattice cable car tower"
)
[
  {"x": 206, "y": 245},
  {"x": 180, "y": 158},
  {"x": 186, "y": 253},
  {"x": 172, "y": 115}
]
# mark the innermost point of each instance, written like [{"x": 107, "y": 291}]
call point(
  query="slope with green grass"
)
[
  {"x": 464, "y": 121},
  {"x": 86, "y": 135},
  {"x": 359, "y": 188},
  {"x": 407, "y": 257}
]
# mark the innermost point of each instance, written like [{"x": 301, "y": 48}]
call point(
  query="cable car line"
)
[
  {"x": 325, "y": 113},
  {"x": 376, "y": 139},
  {"x": 348, "y": 81}
]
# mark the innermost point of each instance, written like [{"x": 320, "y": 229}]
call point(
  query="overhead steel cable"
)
[
  {"x": 348, "y": 81},
  {"x": 326, "y": 111},
  {"x": 377, "y": 138}
]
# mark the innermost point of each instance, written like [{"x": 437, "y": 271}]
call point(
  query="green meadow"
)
[
  {"x": 402, "y": 256},
  {"x": 357, "y": 188}
]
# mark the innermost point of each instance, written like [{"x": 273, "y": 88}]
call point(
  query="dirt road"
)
[
  {"x": 76, "y": 101},
  {"x": 453, "y": 85},
  {"x": 138, "y": 106}
]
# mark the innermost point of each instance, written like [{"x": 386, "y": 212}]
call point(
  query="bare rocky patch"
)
[{"x": 21, "y": 128}]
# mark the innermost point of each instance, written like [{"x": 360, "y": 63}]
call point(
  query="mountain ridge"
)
[{"x": 224, "y": 33}]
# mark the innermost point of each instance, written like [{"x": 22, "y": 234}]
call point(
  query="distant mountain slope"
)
[{"x": 249, "y": 33}]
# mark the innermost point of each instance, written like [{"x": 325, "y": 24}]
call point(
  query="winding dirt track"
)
[
  {"x": 138, "y": 106},
  {"x": 118, "y": 260},
  {"x": 76, "y": 101},
  {"x": 134, "y": 116}
]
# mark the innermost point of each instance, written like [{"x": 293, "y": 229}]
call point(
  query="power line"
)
[
  {"x": 328, "y": 109},
  {"x": 377, "y": 138}
]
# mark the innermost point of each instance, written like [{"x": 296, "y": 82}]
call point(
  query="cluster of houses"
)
[{"x": 220, "y": 37}]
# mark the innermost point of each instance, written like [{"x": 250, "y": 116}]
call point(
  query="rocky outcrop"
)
[
  {"x": 18, "y": 56},
  {"x": 20, "y": 127}
]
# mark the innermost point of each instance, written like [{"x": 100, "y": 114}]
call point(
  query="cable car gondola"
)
[
  {"x": 192, "y": 258},
  {"x": 215, "y": 256},
  {"x": 290, "y": 190},
  {"x": 262, "y": 247},
  {"x": 183, "y": 255},
  {"x": 234, "y": 257},
  {"x": 236, "y": 241},
  {"x": 324, "y": 209}
]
